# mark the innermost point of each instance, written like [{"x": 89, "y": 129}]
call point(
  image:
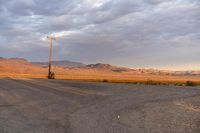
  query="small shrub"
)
[
  {"x": 189, "y": 83},
  {"x": 151, "y": 82},
  {"x": 178, "y": 84},
  {"x": 105, "y": 80}
]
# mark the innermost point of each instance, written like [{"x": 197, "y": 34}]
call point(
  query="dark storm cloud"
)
[{"x": 145, "y": 33}]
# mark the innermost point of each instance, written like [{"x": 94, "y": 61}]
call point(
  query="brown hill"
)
[
  {"x": 19, "y": 66},
  {"x": 108, "y": 67},
  {"x": 61, "y": 63}
]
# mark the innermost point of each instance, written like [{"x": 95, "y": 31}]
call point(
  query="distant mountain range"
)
[
  {"x": 108, "y": 67},
  {"x": 62, "y": 63},
  {"x": 23, "y": 66}
]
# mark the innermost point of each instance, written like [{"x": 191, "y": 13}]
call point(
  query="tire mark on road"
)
[
  {"x": 47, "y": 89},
  {"x": 34, "y": 97},
  {"x": 68, "y": 89}
]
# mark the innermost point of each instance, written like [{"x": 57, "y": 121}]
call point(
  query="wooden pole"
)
[{"x": 50, "y": 57}]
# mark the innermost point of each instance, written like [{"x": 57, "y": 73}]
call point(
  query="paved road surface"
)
[{"x": 51, "y": 106}]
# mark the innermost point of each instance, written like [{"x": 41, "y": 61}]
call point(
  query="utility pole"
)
[{"x": 51, "y": 75}]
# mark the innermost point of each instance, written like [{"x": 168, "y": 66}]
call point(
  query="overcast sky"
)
[{"x": 161, "y": 34}]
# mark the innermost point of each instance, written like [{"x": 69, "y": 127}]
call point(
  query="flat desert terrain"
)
[
  {"x": 60, "y": 106},
  {"x": 22, "y": 68}
]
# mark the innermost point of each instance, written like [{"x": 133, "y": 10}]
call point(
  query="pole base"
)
[{"x": 51, "y": 75}]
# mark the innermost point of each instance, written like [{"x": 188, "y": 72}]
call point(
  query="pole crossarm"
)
[{"x": 53, "y": 38}]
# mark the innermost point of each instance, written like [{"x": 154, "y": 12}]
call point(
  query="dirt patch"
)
[{"x": 192, "y": 104}]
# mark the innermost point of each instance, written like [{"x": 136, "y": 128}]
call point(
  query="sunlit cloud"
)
[
  {"x": 65, "y": 33},
  {"x": 60, "y": 34},
  {"x": 97, "y": 3}
]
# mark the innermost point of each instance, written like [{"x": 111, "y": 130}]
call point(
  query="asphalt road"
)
[{"x": 55, "y": 106}]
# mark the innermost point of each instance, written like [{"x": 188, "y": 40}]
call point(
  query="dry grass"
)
[
  {"x": 116, "y": 78},
  {"x": 143, "y": 79},
  {"x": 23, "y": 69}
]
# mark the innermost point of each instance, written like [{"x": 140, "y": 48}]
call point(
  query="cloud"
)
[{"x": 132, "y": 33}]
